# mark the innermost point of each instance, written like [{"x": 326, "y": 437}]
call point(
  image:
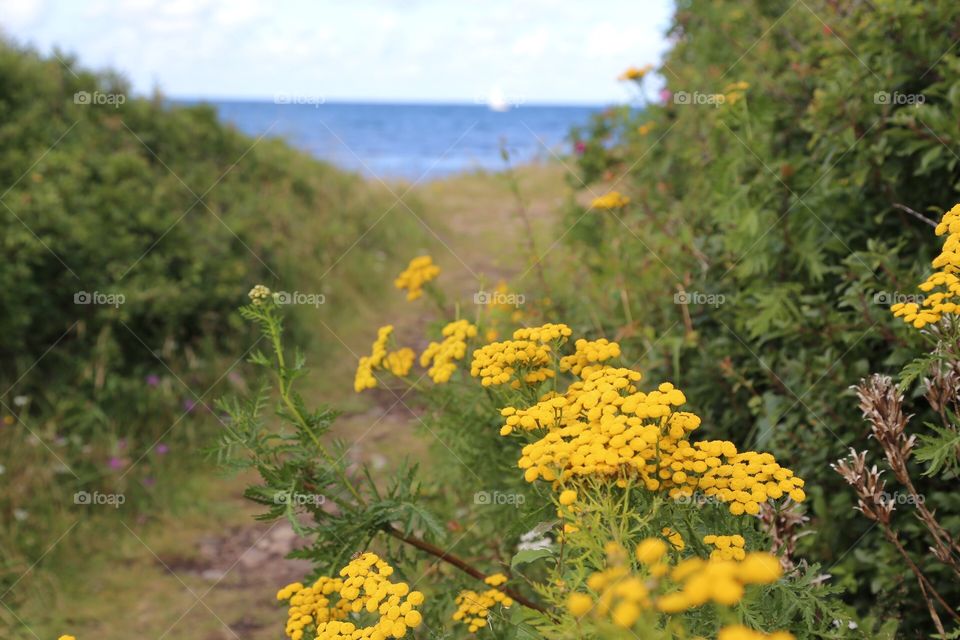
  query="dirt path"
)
[{"x": 212, "y": 575}]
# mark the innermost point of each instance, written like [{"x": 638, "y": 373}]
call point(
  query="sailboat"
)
[{"x": 496, "y": 100}]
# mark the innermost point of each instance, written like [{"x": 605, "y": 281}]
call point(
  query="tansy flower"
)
[
  {"x": 258, "y": 294},
  {"x": 473, "y": 607},
  {"x": 441, "y": 357},
  {"x": 420, "y": 271},
  {"x": 634, "y": 73},
  {"x": 610, "y": 201},
  {"x": 568, "y": 497},
  {"x": 946, "y": 300},
  {"x": 329, "y": 604},
  {"x": 364, "y": 378},
  {"x": 740, "y": 632},
  {"x": 66, "y": 638}
]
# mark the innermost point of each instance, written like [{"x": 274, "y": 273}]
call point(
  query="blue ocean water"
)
[{"x": 410, "y": 141}]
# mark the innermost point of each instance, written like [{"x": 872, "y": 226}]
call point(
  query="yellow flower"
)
[
  {"x": 362, "y": 585},
  {"x": 66, "y": 638},
  {"x": 495, "y": 580},
  {"x": 579, "y": 604},
  {"x": 473, "y": 607},
  {"x": 441, "y": 356},
  {"x": 399, "y": 362},
  {"x": 568, "y": 497},
  {"x": 420, "y": 271},
  {"x": 933, "y": 306},
  {"x": 609, "y": 201},
  {"x": 674, "y": 537},
  {"x": 364, "y": 378},
  {"x": 636, "y": 74},
  {"x": 740, "y": 632},
  {"x": 651, "y": 550}
]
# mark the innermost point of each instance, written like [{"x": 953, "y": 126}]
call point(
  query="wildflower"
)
[
  {"x": 473, "y": 607},
  {"x": 495, "y": 580},
  {"x": 568, "y": 497},
  {"x": 258, "y": 294},
  {"x": 528, "y": 355},
  {"x": 740, "y": 632},
  {"x": 363, "y": 585},
  {"x": 947, "y": 300},
  {"x": 589, "y": 353},
  {"x": 364, "y": 378},
  {"x": 645, "y": 128},
  {"x": 603, "y": 425},
  {"x": 651, "y": 550},
  {"x": 441, "y": 356},
  {"x": 734, "y": 91},
  {"x": 674, "y": 537},
  {"x": 420, "y": 271},
  {"x": 636, "y": 74},
  {"x": 610, "y": 201},
  {"x": 726, "y": 547},
  {"x": 66, "y": 638},
  {"x": 579, "y": 604},
  {"x": 161, "y": 449},
  {"x": 399, "y": 362}
]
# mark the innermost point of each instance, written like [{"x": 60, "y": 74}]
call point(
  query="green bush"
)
[{"x": 778, "y": 212}]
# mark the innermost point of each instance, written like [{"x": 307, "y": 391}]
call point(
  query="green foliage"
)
[
  {"x": 172, "y": 214},
  {"x": 782, "y": 205}
]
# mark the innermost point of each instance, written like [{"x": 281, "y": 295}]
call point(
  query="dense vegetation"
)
[
  {"x": 771, "y": 225},
  {"x": 131, "y": 228}
]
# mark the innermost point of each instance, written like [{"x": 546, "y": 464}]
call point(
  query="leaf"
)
[
  {"x": 939, "y": 451},
  {"x": 529, "y": 555}
]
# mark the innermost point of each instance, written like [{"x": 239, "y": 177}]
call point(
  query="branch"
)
[
  {"x": 915, "y": 214},
  {"x": 459, "y": 563}
]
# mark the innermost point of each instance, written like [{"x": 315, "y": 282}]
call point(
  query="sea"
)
[{"x": 411, "y": 142}]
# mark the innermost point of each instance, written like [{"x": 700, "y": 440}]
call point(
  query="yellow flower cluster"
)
[
  {"x": 734, "y": 91},
  {"x": 645, "y": 128},
  {"x": 589, "y": 353},
  {"x": 947, "y": 300},
  {"x": 634, "y": 73},
  {"x": 363, "y": 585},
  {"x": 674, "y": 537},
  {"x": 364, "y": 378},
  {"x": 740, "y": 632},
  {"x": 602, "y": 425},
  {"x": 473, "y": 607},
  {"x": 529, "y": 354},
  {"x": 66, "y": 638},
  {"x": 399, "y": 362},
  {"x": 609, "y": 201},
  {"x": 258, "y": 294},
  {"x": 441, "y": 356},
  {"x": 624, "y": 596},
  {"x": 726, "y": 547},
  {"x": 420, "y": 271}
]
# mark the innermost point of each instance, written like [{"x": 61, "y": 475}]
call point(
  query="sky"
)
[{"x": 527, "y": 51}]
